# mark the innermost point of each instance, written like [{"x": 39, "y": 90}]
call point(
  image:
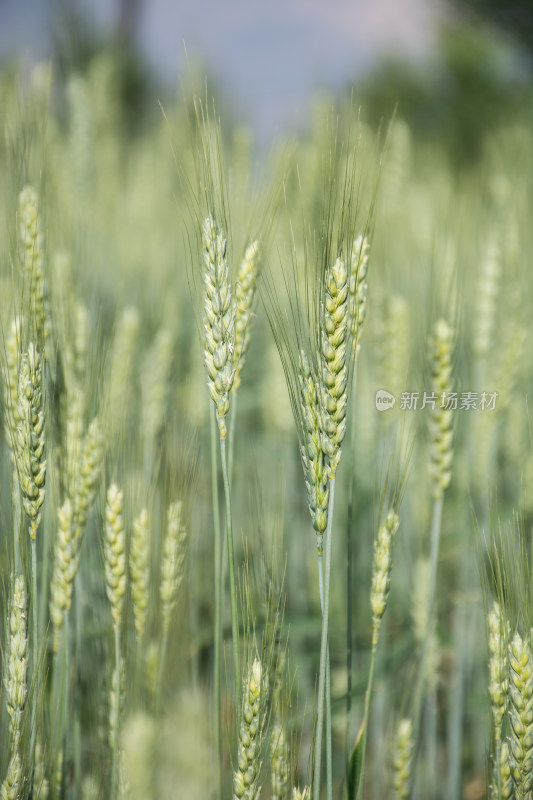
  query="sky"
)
[{"x": 270, "y": 57}]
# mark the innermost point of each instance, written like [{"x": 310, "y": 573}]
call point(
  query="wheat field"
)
[{"x": 266, "y": 469}]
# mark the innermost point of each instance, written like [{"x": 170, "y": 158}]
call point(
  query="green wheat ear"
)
[
  {"x": 115, "y": 553},
  {"x": 30, "y": 439},
  {"x": 441, "y": 423},
  {"x": 219, "y": 321},
  {"x": 253, "y": 717}
]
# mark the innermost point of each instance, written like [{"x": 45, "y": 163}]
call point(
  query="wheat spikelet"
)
[
  {"x": 172, "y": 562},
  {"x": 245, "y": 289},
  {"x": 151, "y": 668},
  {"x": 441, "y": 420},
  {"x": 90, "y": 788},
  {"x": 65, "y": 567},
  {"x": 40, "y": 781},
  {"x": 117, "y": 694},
  {"x": 395, "y": 344},
  {"x": 498, "y": 676},
  {"x": 304, "y": 794},
  {"x": 155, "y": 385},
  {"x": 88, "y": 474},
  {"x": 512, "y": 349},
  {"x": 219, "y": 321},
  {"x": 115, "y": 553},
  {"x": 357, "y": 291},
  {"x": 140, "y": 570},
  {"x": 30, "y": 441},
  {"x": 12, "y": 787},
  {"x": 16, "y": 662},
  {"x": 487, "y": 297},
  {"x": 122, "y": 356},
  {"x": 521, "y": 716},
  {"x": 381, "y": 571},
  {"x": 32, "y": 256},
  {"x": 419, "y": 613},
  {"x": 402, "y": 759},
  {"x": 141, "y": 753},
  {"x": 245, "y": 778},
  {"x": 312, "y": 455},
  {"x": 81, "y": 134},
  {"x": 279, "y": 764},
  {"x": 11, "y": 377},
  {"x": 72, "y": 517},
  {"x": 505, "y": 774},
  {"x": 333, "y": 395}
]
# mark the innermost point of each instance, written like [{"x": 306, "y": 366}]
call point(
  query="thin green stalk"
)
[
  {"x": 218, "y": 602},
  {"x": 323, "y": 647},
  {"x": 114, "y": 780},
  {"x": 349, "y": 570},
  {"x": 232, "y": 578},
  {"x": 59, "y": 698},
  {"x": 435, "y": 540},
  {"x": 44, "y": 571},
  {"x": 366, "y": 715},
  {"x": 231, "y": 434},
  {"x": 434, "y": 559},
  {"x": 329, "y": 751},
  {"x": 35, "y": 624},
  {"x": 161, "y": 669},
  {"x": 329, "y": 758}
]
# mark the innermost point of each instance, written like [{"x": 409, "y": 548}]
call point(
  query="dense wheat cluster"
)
[{"x": 182, "y": 332}]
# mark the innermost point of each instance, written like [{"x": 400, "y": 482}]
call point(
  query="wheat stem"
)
[
  {"x": 232, "y": 578},
  {"x": 323, "y": 646},
  {"x": 329, "y": 758},
  {"x": 35, "y": 625},
  {"x": 114, "y": 780},
  {"x": 366, "y": 714},
  {"x": 218, "y": 600}
]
